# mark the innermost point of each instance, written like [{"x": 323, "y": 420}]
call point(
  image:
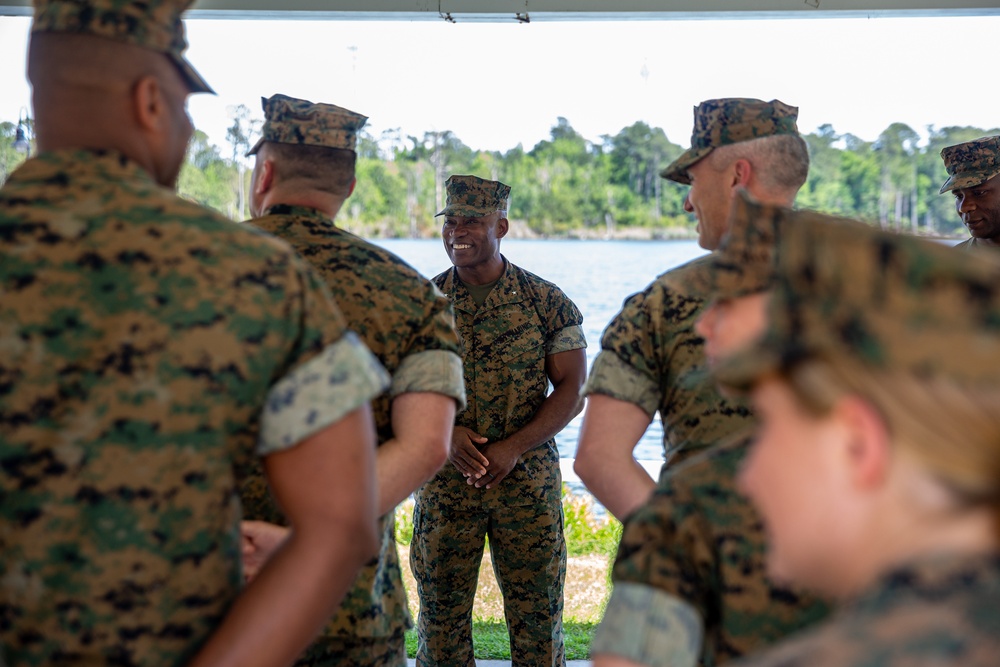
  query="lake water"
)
[{"x": 597, "y": 275}]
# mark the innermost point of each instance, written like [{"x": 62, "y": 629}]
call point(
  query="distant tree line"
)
[{"x": 569, "y": 186}]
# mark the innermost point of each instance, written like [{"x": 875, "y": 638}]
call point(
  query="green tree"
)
[
  {"x": 241, "y": 135},
  {"x": 10, "y": 158},
  {"x": 206, "y": 177}
]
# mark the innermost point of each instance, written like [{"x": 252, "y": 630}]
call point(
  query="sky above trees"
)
[{"x": 499, "y": 85}]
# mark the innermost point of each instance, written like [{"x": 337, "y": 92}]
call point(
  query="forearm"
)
[
  {"x": 555, "y": 412},
  {"x": 285, "y": 606},
  {"x": 422, "y": 425},
  {"x": 604, "y": 459},
  {"x": 621, "y": 485},
  {"x": 401, "y": 470}
]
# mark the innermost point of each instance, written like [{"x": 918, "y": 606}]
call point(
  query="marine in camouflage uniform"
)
[
  {"x": 149, "y": 347},
  {"x": 516, "y": 337},
  {"x": 409, "y": 325},
  {"x": 690, "y": 582},
  {"x": 974, "y": 178},
  {"x": 652, "y": 357},
  {"x": 910, "y": 308}
]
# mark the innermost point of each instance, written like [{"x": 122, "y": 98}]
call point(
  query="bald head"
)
[{"x": 92, "y": 92}]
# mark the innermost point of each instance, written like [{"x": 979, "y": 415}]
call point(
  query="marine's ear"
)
[
  {"x": 742, "y": 173},
  {"x": 502, "y": 227},
  {"x": 149, "y": 105},
  {"x": 264, "y": 176},
  {"x": 867, "y": 450}
]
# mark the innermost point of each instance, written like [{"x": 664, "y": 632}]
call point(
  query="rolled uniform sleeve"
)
[
  {"x": 651, "y": 356},
  {"x": 664, "y": 579},
  {"x": 566, "y": 339},
  {"x": 437, "y": 371},
  {"x": 612, "y": 376},
  {"x": 328, "y": 370},
  {"x": 563, "y": 320},
  {"x": 320, "y": 392},
  {"x": 628, "y": 366},
  {"x": 661, "y": 580},
  {"x": 433, "y": 351},
  {"x": 649, "y": 627}
]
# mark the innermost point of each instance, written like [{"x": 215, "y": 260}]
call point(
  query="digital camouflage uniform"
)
[
  {"x": 150, "y": 348},
  {"x": 650, "y": 354},
  {"x": 969, "y": 164},
  {"x": 698, "y": 546},
  {"x": 690, "y": 581},
  {"x": 505, "y": 342},
  {"x": 939, "y": 611},
  {"x": 406, "y": 321},
  {"x": 652, "y": 357},
  {"x": 903, "y": 305}
]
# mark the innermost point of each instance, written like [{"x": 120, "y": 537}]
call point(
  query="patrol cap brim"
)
[
  {"x": 195, "y": 82},
  {"x": 677, "y": 171},
  {"x": 466, "y": 211},
  {"x": 256, "y": 147},
  {"x": 968, "y": 180}
]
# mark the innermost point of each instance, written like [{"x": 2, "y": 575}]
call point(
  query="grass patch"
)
[
  {"x": 491, "y": 641},
  {"x": 591, "y": 542}
]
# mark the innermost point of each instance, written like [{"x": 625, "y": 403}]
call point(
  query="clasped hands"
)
[{"x": 482, "y": 468}]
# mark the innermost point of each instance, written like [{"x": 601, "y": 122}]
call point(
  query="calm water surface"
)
[{"x": 597, "y": 275}]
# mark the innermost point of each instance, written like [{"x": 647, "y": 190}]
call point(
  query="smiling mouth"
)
[{"x": 460, "y": 246}]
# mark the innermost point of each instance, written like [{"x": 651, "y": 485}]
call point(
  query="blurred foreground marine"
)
[
  {"x": 974, "y": 179},
  {"x": 876, "y": 465},
  {"x": 519, "y": 333},
  {"x": 150, "y": 347},
  {"x": 304, "y": 171},
  {"x": 691, "y": 563}
]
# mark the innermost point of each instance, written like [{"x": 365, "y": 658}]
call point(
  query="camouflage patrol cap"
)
[
  {"x": 731, "y": 121},
  {"x": 889, "y": 301},
  {"x": 289, "y": 120},
  {"x": 151, "y": 24},
  {"x": 972, "y": 163},
  {"x": 474, "y": 197}
]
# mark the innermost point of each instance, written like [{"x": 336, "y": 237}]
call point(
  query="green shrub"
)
[{"x": 586, "y": 533}]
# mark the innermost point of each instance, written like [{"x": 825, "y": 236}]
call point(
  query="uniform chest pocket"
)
[{"x": 523, "y": 357}]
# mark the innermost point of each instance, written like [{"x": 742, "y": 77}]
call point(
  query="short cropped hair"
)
[
  {"x": 781, "y": 162},
  {"x": 322, "y": 168}
]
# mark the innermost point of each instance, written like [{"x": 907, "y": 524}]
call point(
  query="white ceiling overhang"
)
[{"x": 563, "y": 10}]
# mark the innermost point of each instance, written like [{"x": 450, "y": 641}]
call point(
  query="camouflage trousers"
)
[
  {"x": 355, "y": 652},
  {"x": 529, "y": 559}
]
